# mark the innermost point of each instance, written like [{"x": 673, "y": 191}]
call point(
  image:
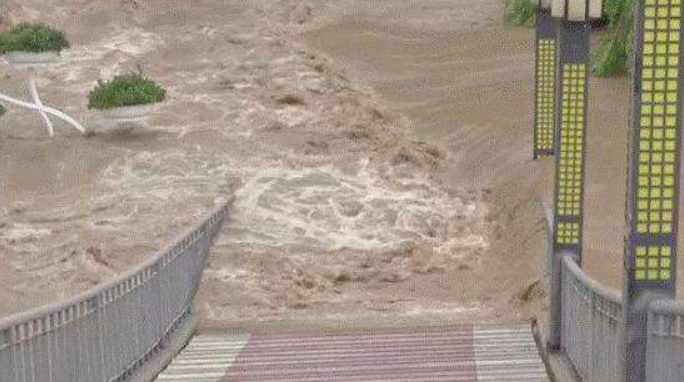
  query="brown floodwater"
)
[
  {"x": 390, "y": 182},
  {"x": 450, "y": 78}
]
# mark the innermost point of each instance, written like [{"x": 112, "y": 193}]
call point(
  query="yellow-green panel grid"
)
[
  {"x": 546, "y": 64},
  {"x": 568, "y": 233},
  {"x": 658, "y": 117},
  {"x": 653, "y": 263},
  {"x": 658, "y": 123},
  {"x": 570, "y": 153}
]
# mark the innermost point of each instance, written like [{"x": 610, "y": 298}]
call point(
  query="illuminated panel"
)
[
  {"x": 568, "y": 233},
  {"x": 654, "y": 194},
  {"x": 546, "y": 63},
  {"x": 653, "y": 263},
  {"x": 570, "y": 155}
]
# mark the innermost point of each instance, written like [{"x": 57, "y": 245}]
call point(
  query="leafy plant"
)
[
  {"x": 125, "y": 90},
  {"x": 35, "y": 38},
  {"x": 615, "y": 50},
  {"x": 519, "y": 12},
  {"x": 2, "y": 110}
]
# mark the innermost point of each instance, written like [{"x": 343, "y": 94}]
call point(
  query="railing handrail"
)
[
  {"x": 593, "y": 347},
  {"x": 670, "y": 307},
  {"x": 51, "y": 308},
  {"x": 607, "y": 293}
]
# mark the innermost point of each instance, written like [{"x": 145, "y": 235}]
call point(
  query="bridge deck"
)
[{"x": 464, "y": 353}]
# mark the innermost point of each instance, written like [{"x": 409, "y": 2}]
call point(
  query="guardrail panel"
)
[
  {"x": 665, "y": 353},
  {"x": 606, "y": 340},
  {"x": 106, "y": 334},
  {"x": 6, "y": 357},
  {"x": 590, "y": 317},
  {"x": 591, "y": 335}
]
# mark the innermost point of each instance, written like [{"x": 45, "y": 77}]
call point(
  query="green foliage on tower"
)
[
  {"x": 519, "y": 12},
  {"x": 614, "y": 52}
]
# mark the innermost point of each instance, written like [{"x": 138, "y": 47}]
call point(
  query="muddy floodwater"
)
[{"x": 379, "y": 154}]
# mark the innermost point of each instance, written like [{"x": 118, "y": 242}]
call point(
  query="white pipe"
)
[
  {"x": 36, "y": 99},
  {"x": 45, "y": 109}
]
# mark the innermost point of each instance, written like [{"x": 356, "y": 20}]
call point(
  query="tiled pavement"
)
[{"x": 463, "y": 353}]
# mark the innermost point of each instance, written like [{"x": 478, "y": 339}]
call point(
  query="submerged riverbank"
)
[
  {"x": 331, "y": 186},
  {"x": 380, "y": 154}
]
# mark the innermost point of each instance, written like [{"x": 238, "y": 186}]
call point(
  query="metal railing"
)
[
  {"x": 108, "y": 333},
  {"x": 590, "y": 338},
  {"x": 590, "y": 333},
  {"x": 665, "y": 352},
  {"x": 590, "y": 329}
]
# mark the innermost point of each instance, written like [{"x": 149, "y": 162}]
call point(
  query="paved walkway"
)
[{"x": 464, "y": 353}]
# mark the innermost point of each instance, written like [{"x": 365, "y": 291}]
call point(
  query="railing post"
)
[
  {"x": 100, "y": 346},
  {"x": 593, "y": 371},
  {"x": 556, "y": 302},
  {"x": 653, "y": 175},
  {"x": 545, "y": 84},
  {"x": 570, "y": 116},
  {"x": 650, "y": 356}
]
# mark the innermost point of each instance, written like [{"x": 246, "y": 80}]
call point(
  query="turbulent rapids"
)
[{"x": 345, "y": 207}]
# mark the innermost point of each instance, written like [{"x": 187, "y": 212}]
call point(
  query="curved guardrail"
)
[
  {"x": 665, "y": 353},
  {"x": 590, "y": 333},
  {"x": 110, "y": 332},
  {"x": 591, "y": 319}
]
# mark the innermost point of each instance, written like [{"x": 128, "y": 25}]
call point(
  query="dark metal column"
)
[
  {"x": 653, "y": 174},
  {"x": 545, "y": 84},
  {"x": 571, "y": 121}
]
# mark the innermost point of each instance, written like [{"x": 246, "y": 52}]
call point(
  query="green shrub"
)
[
  {"x": 125, "y": 90},
  {"x": 613, "y": 54},
  {"x": 519, "y": 12},
  {"x": 34, "y": 38},
  {"x": 2, "y": 110}
]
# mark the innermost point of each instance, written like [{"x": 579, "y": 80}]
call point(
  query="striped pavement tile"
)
[
  {"x": 463, "y": 353},
  {"x": 205, "y": 359},
  {"x": 508, "y": 354}
]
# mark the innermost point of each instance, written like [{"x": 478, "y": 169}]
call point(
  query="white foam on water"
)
[
  {"x": 324, "y": 209},
  {"x": 229, "y": 274},
  {"x": 292, "y": 116},
  {"x": 131, "y": 41},
  {"x": 437, "y": 311},
  {"x": 23, "y": 233},
  {"x": 78, "y": 63},
  {"x": 169, "y": 174}
]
